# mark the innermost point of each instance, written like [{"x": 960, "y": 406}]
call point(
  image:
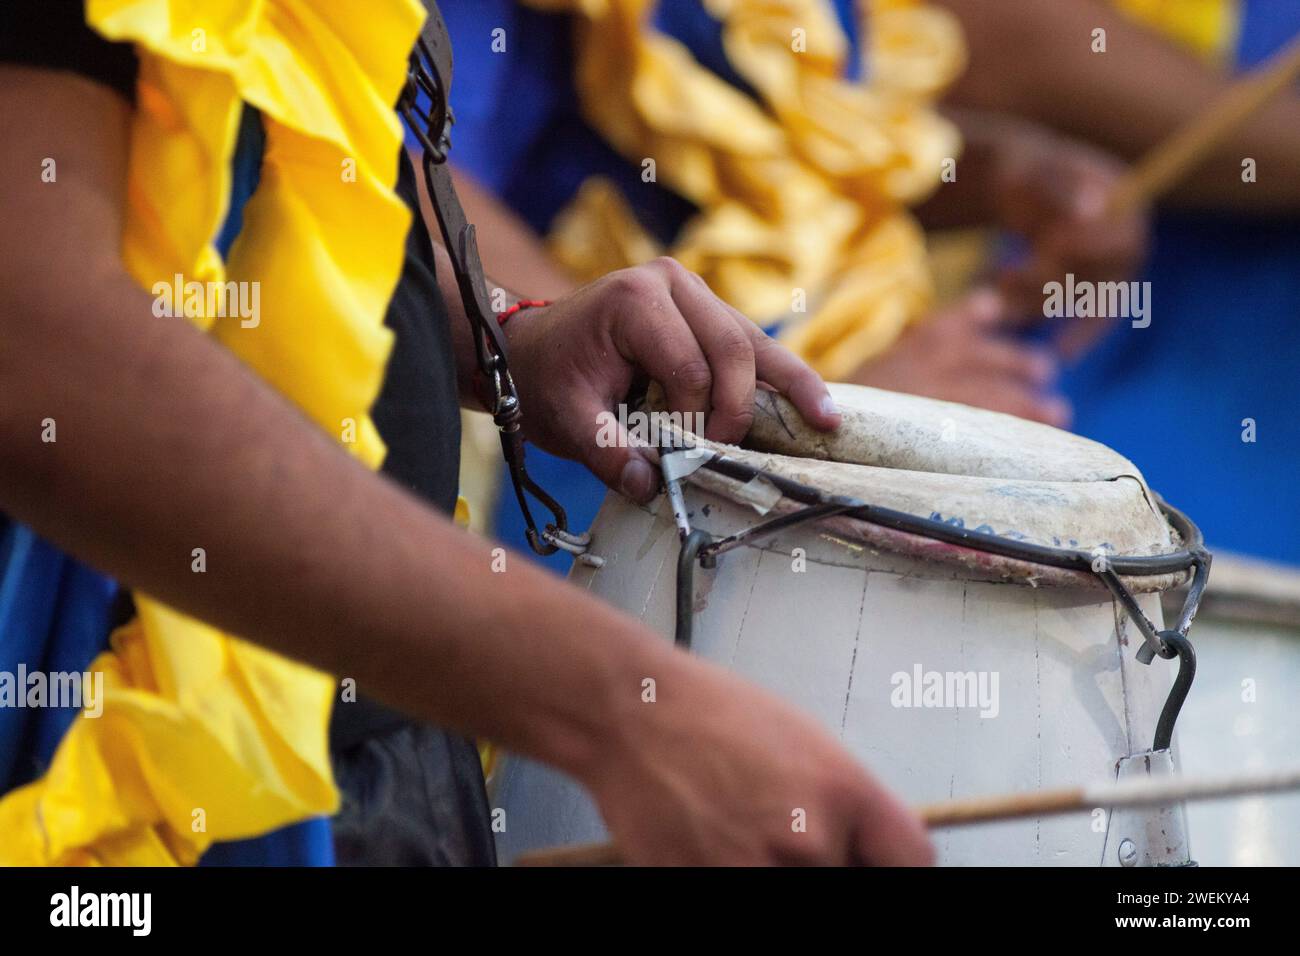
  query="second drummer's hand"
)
[{"x": 580, "y": 356}]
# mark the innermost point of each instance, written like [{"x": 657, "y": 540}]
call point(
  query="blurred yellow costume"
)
[
  {"x": 803, "y": 197},
  {"x": 1208, "y": 27},
  {"x": 204, "y": 737}
]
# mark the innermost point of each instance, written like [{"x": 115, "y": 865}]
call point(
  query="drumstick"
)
[
  {"x": 1164, "y": 166},
  {"x": 1135, "y": 792}
]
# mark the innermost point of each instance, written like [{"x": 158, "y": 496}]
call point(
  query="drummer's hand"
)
[
  {"x": 716, "y": 771},
  {"x": 959, "y": 354},
  {"x": 581, "y": 356},
  {"x": 1055, "y": 192}
]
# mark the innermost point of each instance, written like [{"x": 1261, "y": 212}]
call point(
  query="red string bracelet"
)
[{"x": 520, "y": 306}]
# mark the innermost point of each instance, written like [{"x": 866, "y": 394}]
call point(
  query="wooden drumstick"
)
[
  {"x": 1136, "y": 792},
  {"x": 1164, "y": 167}
]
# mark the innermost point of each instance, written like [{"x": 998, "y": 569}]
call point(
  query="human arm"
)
[
  {"x": 166, "y": 442},
  {"x": 1035, "y": 60}
]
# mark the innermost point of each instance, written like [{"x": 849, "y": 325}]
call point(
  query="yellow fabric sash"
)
[
  {"x": 204, "y": 737},
  {"x": 803, "y": 196}
]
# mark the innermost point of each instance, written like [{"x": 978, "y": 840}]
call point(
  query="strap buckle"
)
[
  {"x": 423, "y": 104},
  {"x": 425, "y": 100}
]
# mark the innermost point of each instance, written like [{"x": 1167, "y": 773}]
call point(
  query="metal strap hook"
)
[{"x": 424, "y": 105}]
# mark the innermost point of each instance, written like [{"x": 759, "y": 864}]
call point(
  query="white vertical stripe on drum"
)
[
  {"x": 906, "y": 623},
  {"x": 902, "y": 624},
  {"x": 1081, "y": 683},
  {"x": 801, "y": 649},
  {"x": 1002, "y": 752}
]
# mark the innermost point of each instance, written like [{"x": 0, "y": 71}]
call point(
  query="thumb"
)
[{"x": 617, "y": 461}]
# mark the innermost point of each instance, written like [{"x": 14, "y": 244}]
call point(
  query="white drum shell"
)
[{"x": 1071, "y": 698}]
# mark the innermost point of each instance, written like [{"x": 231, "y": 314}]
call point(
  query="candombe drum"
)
[{"x": 970, "y": 602}]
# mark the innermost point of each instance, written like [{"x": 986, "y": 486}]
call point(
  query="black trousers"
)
[{"x": 412, "y": 794}]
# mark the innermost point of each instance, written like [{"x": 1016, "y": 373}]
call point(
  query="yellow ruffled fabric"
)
[
  {"x": 803, "y": 196},
  {"x": 1208, "y": 27},
  {"x": 204, "y": 737}
]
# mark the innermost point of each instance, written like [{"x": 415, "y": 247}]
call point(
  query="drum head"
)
[{"x": 968, "y": 467}]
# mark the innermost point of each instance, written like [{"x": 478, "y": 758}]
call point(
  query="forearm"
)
[
  {"x": 167, "y": 443},
  {"x": 1036, "y": 60}
]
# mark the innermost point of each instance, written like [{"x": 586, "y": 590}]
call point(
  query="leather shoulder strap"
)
[{"x": 425, "y": 106}]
